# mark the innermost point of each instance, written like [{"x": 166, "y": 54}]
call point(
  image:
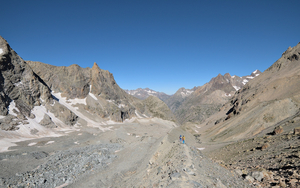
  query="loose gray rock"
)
[{"x": 47, "y": 122}]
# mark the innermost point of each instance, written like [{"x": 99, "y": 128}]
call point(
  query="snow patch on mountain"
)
[
  {"x": 69, "y": 101},
  {"x": 137, "y": 114},
  {"x": 132, "y": 92},
  {"x": 236, "y": 88},
  {"x": 151, "y": 91},
  {"x": 93, "y": 96},
  {"x": 121, "y": 105},
  {"x": 245, "y": 81},
  {"x": 186, "y": 93},
  {"x": 1, "y": 51},
  {"x": 69, "y": 104},
  {"x": 12, "y": 107},
  {"x": 18, "y": 84}
]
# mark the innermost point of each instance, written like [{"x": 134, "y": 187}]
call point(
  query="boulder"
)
[
  {"x": 265, "y": 146},
  {"x": 249, "y": 178},
  {"x": 297, "y": 130},
  {"x": 278, "y": 130},
  {"x": 47, "y": 122},
  {"x": 257, "y": 175}
]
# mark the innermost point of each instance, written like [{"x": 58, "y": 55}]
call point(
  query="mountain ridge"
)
[{"x": 143, "y": 94}]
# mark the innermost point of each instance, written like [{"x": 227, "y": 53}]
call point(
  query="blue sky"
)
[{"x": 160, "y": 44}]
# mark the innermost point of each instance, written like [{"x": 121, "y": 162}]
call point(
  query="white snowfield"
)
[
  {"x": 93, "y": 96},
  {"x": 236, "y": 88},
  {"x": 1, "y": 51},
  {"x": 245, "y": 81},
  {"x": 9, "y": 138},
  {"x": 69, "y": 104},
  {"x": 151, "y": 91},
  {"x": 186, "y": 93}
]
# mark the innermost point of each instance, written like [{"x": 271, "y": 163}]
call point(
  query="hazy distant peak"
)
[{"x": 147, "y": 92}]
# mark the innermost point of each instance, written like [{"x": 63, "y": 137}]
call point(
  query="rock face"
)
[
  {"x": 103, "y": 97},
  {"x": 74, "y": 82},
  {"x": 21, "y": 90},
  {"x": 145, "y": 93},
  {"x": 19, "y": 83},
  {"x": 199, "y": 103},
  {"x": 40, "y": 97}
]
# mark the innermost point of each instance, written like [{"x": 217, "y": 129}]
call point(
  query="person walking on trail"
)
[
  {"x": 180, "y": 138},
  {"x": 183, "y": 139}
]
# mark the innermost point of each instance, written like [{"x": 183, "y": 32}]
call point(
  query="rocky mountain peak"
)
[
  {"x": 18, "y": 83},
  {"x": 289, "y": 56},
  {"x": 95, "y": 66},
  {"x": 255, "y": 73},
  {"x": 227, "y": 76}
]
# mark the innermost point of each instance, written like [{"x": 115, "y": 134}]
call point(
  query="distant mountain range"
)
[
  {"x": 145, "y": 93},
  {"x": 199, "y": 102}
]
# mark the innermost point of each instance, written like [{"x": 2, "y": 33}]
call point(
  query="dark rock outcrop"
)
[{"x": 19, "y": 83}]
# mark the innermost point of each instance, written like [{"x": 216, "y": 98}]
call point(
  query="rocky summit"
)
[{"x": 75, "y": 127}]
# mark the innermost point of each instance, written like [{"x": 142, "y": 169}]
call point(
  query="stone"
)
[
  {"x": 282, "y": 184},
  {"x": 175, "y": 176},
  {"x": 47, "y": 122},
  {"x": 297, "y": 130},
  {"x": 249, "y": 178},
  {"x": 257, "y": 175},
  {"x": 278, "y": 130},
  {"x": 265, "y": 146},
  {"x": 239, "y": 172},
  {"x": 293, "y": 182}
]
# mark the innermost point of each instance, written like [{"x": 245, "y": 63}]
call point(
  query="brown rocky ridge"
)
[{"x": 256, "y": 128}]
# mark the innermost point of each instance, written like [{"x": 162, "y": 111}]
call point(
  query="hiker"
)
[
  {"x": 183, "y": 139},
  {"x": 180, "y": 138}
]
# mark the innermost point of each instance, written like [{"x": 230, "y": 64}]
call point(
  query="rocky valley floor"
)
[{"x": 144, "y": 153}]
